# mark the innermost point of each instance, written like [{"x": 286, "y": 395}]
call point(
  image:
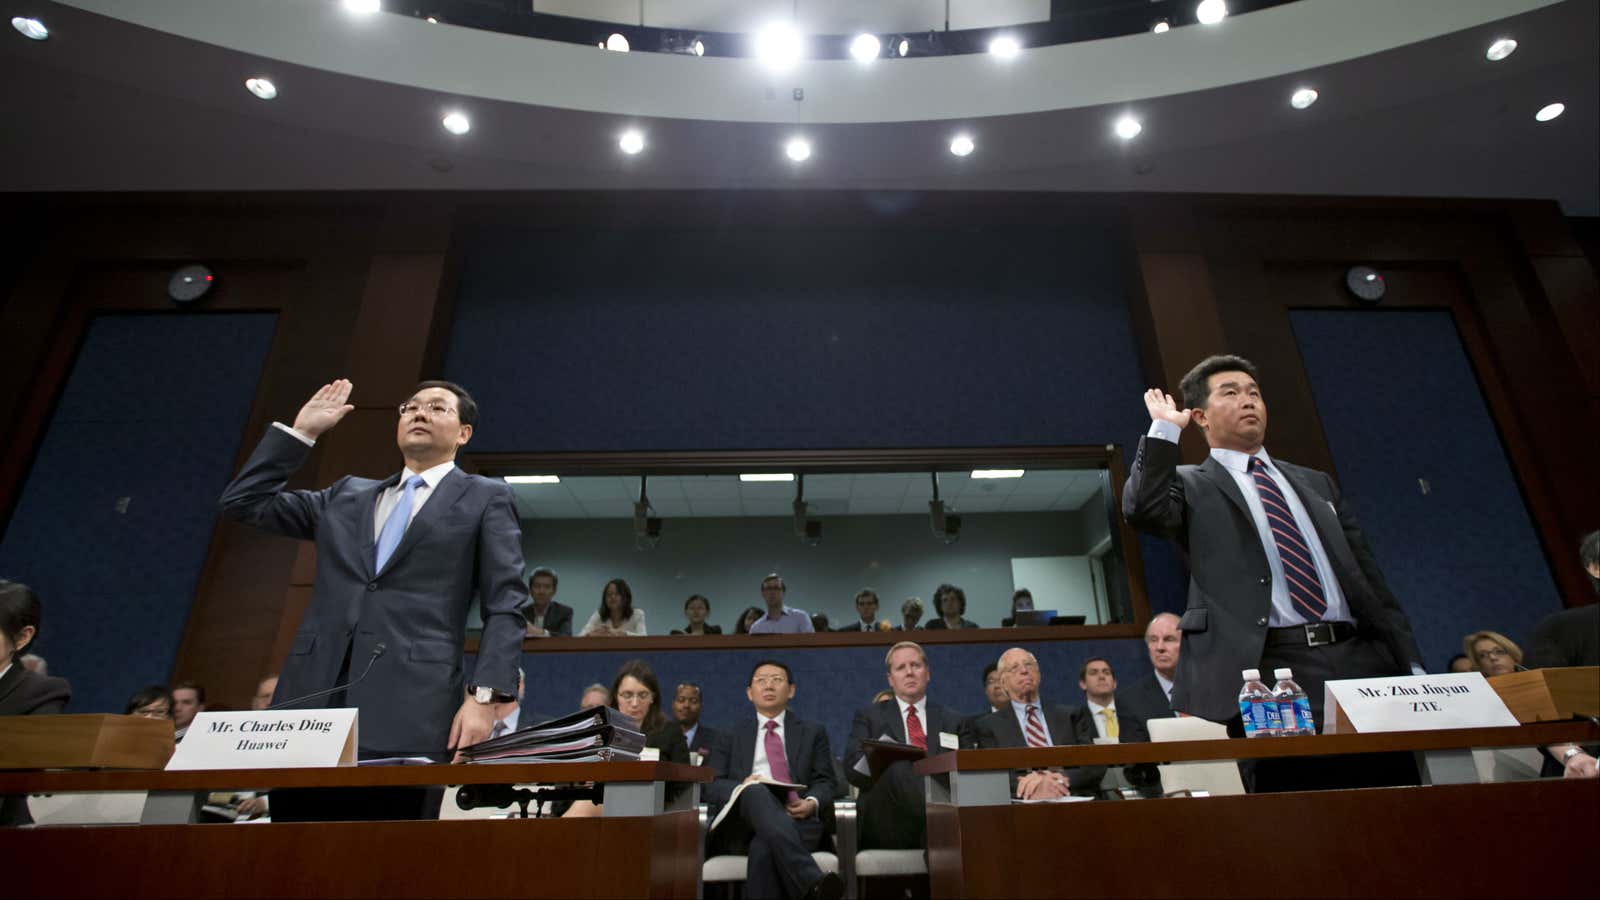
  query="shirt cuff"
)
[
  {"x": 1164, "y": 430},
  {"x": 1418, "y": 670},
  {"x": 302, "y": 438}
]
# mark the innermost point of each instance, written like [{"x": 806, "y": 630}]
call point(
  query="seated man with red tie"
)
[
  {"x": 893, "y": 811},
  {"x": 777, "y": 833},
  {"x": 1027, "y": 722}
]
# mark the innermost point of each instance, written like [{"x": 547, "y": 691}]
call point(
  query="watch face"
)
[
  {"x": 1366, "y": 283},
  {"x": 190, "y": 283}
]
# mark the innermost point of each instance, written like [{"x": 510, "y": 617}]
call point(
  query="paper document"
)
[
  {"x": 733, "y": 799},
  {"x": 1067, "y": 799}
]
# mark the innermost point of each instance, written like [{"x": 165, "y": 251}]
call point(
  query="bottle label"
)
[
  {"x": 1270, "y": 721},
  {"x": 1286, "y": 716},
  {"x": 1302, "y": 713},
  {"x": 1247, "y": 714}
]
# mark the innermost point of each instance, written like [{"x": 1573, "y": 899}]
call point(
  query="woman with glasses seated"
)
[
  {"x": 1492, "y": 653},
  {"x": 635, "y": 692}
]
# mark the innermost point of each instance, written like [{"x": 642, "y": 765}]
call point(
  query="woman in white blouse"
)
[{"x": 616, "y": 616}]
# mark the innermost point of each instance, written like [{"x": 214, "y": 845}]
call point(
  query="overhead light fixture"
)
[
  {"x": 1501, "y": 49},
  {"x": 1550, "y": 112},
  {"x": 261, "y": 87},
  {"x": 866, "y": 47},
  {"x": 456, "y": 123},
  {"x": 432, "y": 20},
  {"x": 999, "y": 473},
  {"x": 1005, "y": 47},
  {"x": 962, "y": 145},
  {"x": 779, "y": 46},
  {"x": 902, "y": 47},
  {"x": 1303, "y": 98},
  {"x": 533, "y": 479},
  {"x": 33, "y": 29},
  {"x": 684, "y": 43},
  {"x": 1161, "y": 27},
  {"x": 1210, "y": 12},
  {"x": 617, "y": 42},
  {"x": 1128, "y": 128},
  {"x": 767, "y": 476},
  {"x": 798, "y": 149},
  {"x": 632, "y": 141},
  {"x": 362, "y": 7}
]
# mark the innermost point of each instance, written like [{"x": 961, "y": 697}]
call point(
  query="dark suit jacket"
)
[
  {"x": 855, "y": 626},
  {"x": 1567, "y": 638},
  {"x": 25, "y": 693},
  {"x": 557, "y": 617},
  {"x": 705, "y": 738},
  {"x": 805, "y": 745},
  {"x": 1230, "y": 585},
  {"x": 870, "y": 722},
  {"x": 464, "y": 545},
  {"x": 710, "y": 629},
  {"x": 1067, "y": 725},
  {"x": 939, "y": 623},
  {"x": 1144, "y": 700}
]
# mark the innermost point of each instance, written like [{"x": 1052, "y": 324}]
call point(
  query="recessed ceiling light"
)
[
  {"x": 432, "y": 20},
  {"x": 962, "y": 145},
  {"x": 632, "y": 141},
  {"x": 362, "y": 7},
  {"x": 903, "y": 47},
  {"x": 1210, "y": 12},
  {"x": 998, "y": 473},
  {"x": 798, "y": 149},
  {"x": 768, "y": 476},
  {"x": 30, "y": 28},
  {"x": 533, "y": 479},
  {"x": 1161, "y": 27},
  {"x": 866, "y": 47},
  {"x": 1128, "y": 128},
  {"x": 1550, "y": 112},
  {"x": 456, "y": 123},
  {"x": 617, "y": 42},
  {"x": 778, "y": 45},
  {"x": 1303, "y": 98},
  {"x": 261, "y": 87},
  {"x": 1005, "y": 47},
  {"x": 1501, "y": 49}
]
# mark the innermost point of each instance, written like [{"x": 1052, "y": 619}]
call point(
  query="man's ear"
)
[
  {"x": 466, "y": 435},
  {"x": 1198, "y": 417},
  {"x": 25, "y": 637}
]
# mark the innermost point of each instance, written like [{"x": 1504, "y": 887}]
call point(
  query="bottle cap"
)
[
  {"x": 1282, "y": 674},
  {"x": 1252, "y": 674}
]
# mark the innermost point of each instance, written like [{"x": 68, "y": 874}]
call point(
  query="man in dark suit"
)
[
  {"x": 866, "y": 612},
  {"x": 777, "y": 833},
  {"x": 893, "y": 803},
  {"x": 23, "y": 692},
  {"x": 1025, "y": 721},
  {"x": 1151, "y": 696},
  {"x": 697, "y": 735},
  {"x": 398, "y": 563},
  {"x": 546, "y": 617},
  {"x": 1280, "y": 575}
]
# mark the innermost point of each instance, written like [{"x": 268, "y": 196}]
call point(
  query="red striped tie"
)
[
  {"x": 1299, "y": 572},
  {"x": 1035, "y": 731}
]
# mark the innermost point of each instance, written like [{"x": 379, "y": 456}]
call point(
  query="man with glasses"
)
[
  {"x": 399, "y": 561},
  {"x": 1025, "y": 721},
  {"x": 780, "y": 619}
]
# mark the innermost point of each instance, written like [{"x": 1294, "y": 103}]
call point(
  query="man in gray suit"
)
[
  {"x": 398, "y": 563},
  {"x": 1280, "y": 575}
]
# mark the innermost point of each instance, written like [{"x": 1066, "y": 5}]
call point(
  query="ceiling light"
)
[
  {"x": 261, "y": 87},
  {"x": 1303, "y": 98},
  {"x": 1161, "y": 27},
  {"x": 1210, "y": 12},
  {"x": 798, "y": 149},
  {"x": 998, "y": 473},
  {"x": 362, "y": 7},
  {"x": 903, "y": 47},
  {"x": 698, "y": 48},
  {"x": 767, "y": 476},
  {"x": 1005, "y": 47},
  {"x": 617, "y": 42},
  {"x": 1550, "y": 112},
  {"x": 1501, "y": 49},
  {"x": 432, "y": 21},
  {"x": 632, "y": 141},
  {"x": 30, "y": 28},
  {"x": 533, "y": 479},
  {"x": 457, "y": 123},
  {"x": 778, "y": 46},
  {"x": 1128, "y": 128},
  {"x": 962, "y": 145},
  {"x": 866, "y": 47}
]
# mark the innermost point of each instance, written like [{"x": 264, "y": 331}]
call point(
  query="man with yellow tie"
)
[{"x": 1099, "y": 686}]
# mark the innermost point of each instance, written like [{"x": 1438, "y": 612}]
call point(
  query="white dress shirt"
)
[
  {"x": 633, "y": 625},
  {"x": 1098, "y": 713},
  {"x": 509, "y": 723},
  {"x": 390, "y": 497},
  {"x": 1166, "y": 685},
  {"x": 760, "y": 765}
]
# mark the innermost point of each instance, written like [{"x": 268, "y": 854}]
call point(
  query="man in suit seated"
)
[
  {"x": 546, "y": 617},
  {"x": 893, "y": 804},
  {"x": 866, "y": 612},
  {"x": 697, "y": 736},
  {"x": 1099, "y": 686},
  {"x": 1027, "y": 722},
  {"x": 777, "y": 834},
  {"x": 1151, "y": 696}
]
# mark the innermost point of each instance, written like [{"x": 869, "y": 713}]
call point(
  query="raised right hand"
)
[
  {"x": 324, "y": 410},
  {"x": 1164, "y": 409}
]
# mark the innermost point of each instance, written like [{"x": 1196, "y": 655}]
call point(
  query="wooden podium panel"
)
[
  {"x": 84, "y": 741},
  {"x": 1544, "y": 695}
]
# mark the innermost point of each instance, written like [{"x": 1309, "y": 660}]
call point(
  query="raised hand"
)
[
  {"x": 325, "y": 408},
  {"x": 1164, "y": 409}
]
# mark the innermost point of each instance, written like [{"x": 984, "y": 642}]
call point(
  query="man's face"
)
[
  {"x": 867, "y": 608},
  {"x": 432, "y": 427},
  {"x": 185, "y": 703},
  {"x": 1098, "y": 682},
  {"x": 908, "y": 674},
  {"x": 686, "y": 705},
  {"x": 772, "y": 591},
  {"x": 1235, "y": 415},
  {"x": 594, "y": 698},
  {"x": 1019, "y": 672},
  {"x": 1162, "y": 639},
  {"x": 264, "y": 692},
  {"x": 542, "y": 589},
  {"x": 995, "y": 689},
  {"x": 770, "y": 690}
]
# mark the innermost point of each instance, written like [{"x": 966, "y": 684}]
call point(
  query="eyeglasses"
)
[
  {"x": 1492, "y": 653},
  {"x": 631, "y": 696},
  {"x": 764, "y": 680},
  {"x": 435, "y": 408}
]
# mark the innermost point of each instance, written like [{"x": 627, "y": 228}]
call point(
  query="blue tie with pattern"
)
[
  {"x": 1299, "y": 572},
  {"x": 394, "y": 527}
]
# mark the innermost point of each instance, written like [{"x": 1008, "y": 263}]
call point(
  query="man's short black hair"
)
[
  {"x": 987, "y": 671},
  {"x": 19, "y": 608},
  {"x": 1196, "y": 386},
  {"x": 788, "y": 675},
  {"x": 197, "y": 687},
  {"x": 466, "y": 407},
  {"x": 1083, "y": 670},
  {"x": 547, "y": 572},
  {"x": 1589, "y": 550}
]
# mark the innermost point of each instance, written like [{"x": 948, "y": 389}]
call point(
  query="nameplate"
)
[
  {"x": 1412, "y": 703},
  {"x": 650, "y": 754},
  {"x": 282, "y": 739},
  {"x": 949, "y": 741}
]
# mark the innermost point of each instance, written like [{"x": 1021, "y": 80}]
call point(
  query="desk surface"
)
[{"x": 346, "y": 776}]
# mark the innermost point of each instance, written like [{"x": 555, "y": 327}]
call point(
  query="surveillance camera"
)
[
  {"x": 946, "y": 527},
  {"x": 813, "y": 534}
]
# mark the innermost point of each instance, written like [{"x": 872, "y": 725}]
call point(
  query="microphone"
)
[
  {"x": 378, "y": 650},
  {"x": 1519, "y": 667}
]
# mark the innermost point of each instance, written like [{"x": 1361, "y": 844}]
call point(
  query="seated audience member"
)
[
  {"x": 1571, "y": 637},
  {"x": 546, "y": 617},
  {"x": 750, "y": 616},
  {"x": 695, "y": 610},
  {"x": 892, "y": 806},
  {"x": 1151, "y": 696},
  {"x": 635, "y": 692},
  {"x": 1021, "y": 599},
  {"x": 951, "y": 602},
  {"x": 1492, "y": 653},
  {"x": 1459, "y": 663},
  {"x": 994, "y": 690},
  {"x": 153, "y": 702},
  {"x": 866, "y": 614},
  {"x": 780, "y": 618},
  {"x": 188, "y": 700},
  {"x": 819, "y": 623},
  {"x": 595, "y": 695},
  {"x": 34, "y": 663},
  {"x": 910, "y": 613},
  {"x": 776, "y": 832},
  {"x": 264, "y": 691},
  {"x": 23, "y": 692},
  {"x": 616, "y": 616},
  {"x": 697, "y": 736},
  {"x": 1028, "y": 722},
  {"x": 1099, "y": 686}
]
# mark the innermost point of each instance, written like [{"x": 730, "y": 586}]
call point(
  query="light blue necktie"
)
[{"x": 394, "y": 527}]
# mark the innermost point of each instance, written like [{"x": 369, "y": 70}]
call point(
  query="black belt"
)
[{"x": 1315, "y": 634}]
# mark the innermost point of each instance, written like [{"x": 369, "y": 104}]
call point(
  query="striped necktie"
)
[
  {"x": 1035, "y": 731},
  {"x": 1299, "y": 572}
]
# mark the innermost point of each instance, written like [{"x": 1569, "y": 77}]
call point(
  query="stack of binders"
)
[{"x": 596, "y": 734}]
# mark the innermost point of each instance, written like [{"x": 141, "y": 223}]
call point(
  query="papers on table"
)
[
  {"x": 596, "y": 734},
  {"x": 733, "y": 799}
]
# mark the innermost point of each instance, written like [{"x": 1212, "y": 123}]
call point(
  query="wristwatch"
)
[
  {"x": 485, "y": 694},
  {"x": 1569, "y": 754}
]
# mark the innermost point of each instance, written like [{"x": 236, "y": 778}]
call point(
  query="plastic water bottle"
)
[
  {"x": 1294, "y": 707},
  {"x": 1257, "y": 707}
]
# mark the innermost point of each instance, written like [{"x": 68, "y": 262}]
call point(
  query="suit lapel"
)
[
  {"x": 791, "y": 747},
  {"x": 1223, "y": 479},
  {"x": 1322, "y": 517},
  {"x": 368, "y": 504},
  {"x": 895, "y": 727},
  {"x": 450, "y": 489},
  {"x": 1012, "y": 737}
]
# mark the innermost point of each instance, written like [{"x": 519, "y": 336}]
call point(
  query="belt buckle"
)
[{"x": 1319, "y": 634}]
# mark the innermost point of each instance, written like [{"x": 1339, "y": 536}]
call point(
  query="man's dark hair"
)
[
  {"x": 1196, "y": 386},
  {"x": 701, "y": 598},
  {"x": 547, "y": 572},
  {"x": 939, "y": 595},
  {"x": 987, "y": 670},
  {"x": 819, "y": 622},
  {"x": 1589, "y": 555},
  {"x": 1083, "y": 670},
  {"x": 466, "y": 407},
  {"x": 771, "y": 662},
  {"x": 627, "y": 600},
  {"x": 146, "y": 696},
  {"x": 197, "y": 687},
  {"x": 775, "y": 577},
  {"x": 19, "y": 608},
  {"x": 867, "y": 592}
]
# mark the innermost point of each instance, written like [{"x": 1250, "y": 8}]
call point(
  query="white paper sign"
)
[
  {"x": 282, "y": 739},
  {"x": 1413, "y": 703}
]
